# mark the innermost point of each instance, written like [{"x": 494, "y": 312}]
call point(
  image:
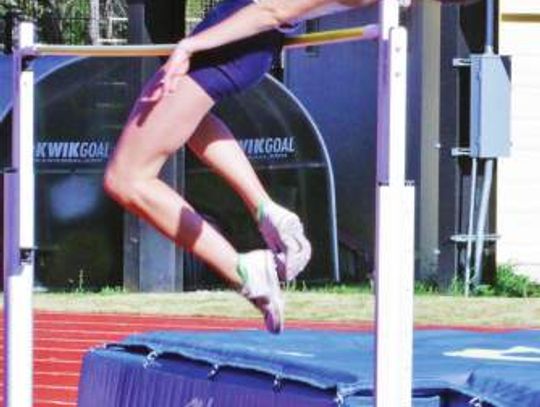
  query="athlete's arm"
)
[{"x": 262, "y": 16}]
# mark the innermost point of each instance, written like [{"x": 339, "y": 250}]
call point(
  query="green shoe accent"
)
[
  {"x": 260, "y": 211},
  {"x": 242, "y": 271}
]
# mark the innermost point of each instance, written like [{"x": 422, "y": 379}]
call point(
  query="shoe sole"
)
[{"x": 274, "y": 314}]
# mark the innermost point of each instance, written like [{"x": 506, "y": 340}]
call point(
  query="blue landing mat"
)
[{"x": 308, "y": 368}]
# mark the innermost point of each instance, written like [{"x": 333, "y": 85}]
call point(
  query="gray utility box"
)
[{"x": 490, "y": 105}]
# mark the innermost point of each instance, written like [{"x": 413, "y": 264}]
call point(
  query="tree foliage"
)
[{"x": 70, "y": 21}]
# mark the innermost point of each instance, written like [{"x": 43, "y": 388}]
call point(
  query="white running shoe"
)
[
  {"x": 261, "y": 287},
  {"x": 284, "y": 234}
]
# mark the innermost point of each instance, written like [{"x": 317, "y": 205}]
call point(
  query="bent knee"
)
[
  {"x": 113, "y": 183},
  {"x": 121, "y": 186}
]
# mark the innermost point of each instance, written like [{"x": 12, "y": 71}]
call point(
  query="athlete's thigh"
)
[{"x": 160, "y": 124}]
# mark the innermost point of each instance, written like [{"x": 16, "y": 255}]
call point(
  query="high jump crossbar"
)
[
  {"x": 394, "y": 257},
  {"x": 368, "y": 32}
]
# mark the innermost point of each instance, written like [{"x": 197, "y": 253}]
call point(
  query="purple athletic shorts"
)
[{"x": 236, "y": 66}]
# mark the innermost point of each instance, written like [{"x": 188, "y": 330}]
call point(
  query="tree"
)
[{"x": 71, "y": 21}]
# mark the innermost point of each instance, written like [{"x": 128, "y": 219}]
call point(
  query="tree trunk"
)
[
  {"x": 109, "y": 14},
  {"x": 94, "y": 21},
  {"x": 50, "y": 21}
]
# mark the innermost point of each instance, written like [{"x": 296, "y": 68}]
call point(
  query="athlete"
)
[{"x": 230, "y": 50}]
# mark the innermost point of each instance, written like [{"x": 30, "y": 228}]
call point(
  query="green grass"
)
[
  {"x": 347, "y": 306},
  {"x": 329, "y": 288},
  {"x": 513, "y": 301}
]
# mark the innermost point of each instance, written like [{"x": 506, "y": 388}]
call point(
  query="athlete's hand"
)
[{"x": 176, "y": 67}]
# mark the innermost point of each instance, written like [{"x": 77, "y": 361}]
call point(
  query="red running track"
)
[{"x": 61, "y": 340}]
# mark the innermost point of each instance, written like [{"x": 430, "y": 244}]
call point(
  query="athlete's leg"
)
[
  {"x": 216, "y": 146},
  {"x": 154, "y": 131},
  {"x": 282, "y": 230}
]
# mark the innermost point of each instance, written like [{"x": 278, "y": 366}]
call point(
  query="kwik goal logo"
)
[
  {"x": 269, "y": 147},
  {"x": 72, "y": 151},
  {"x": 99, "y": 151}
]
